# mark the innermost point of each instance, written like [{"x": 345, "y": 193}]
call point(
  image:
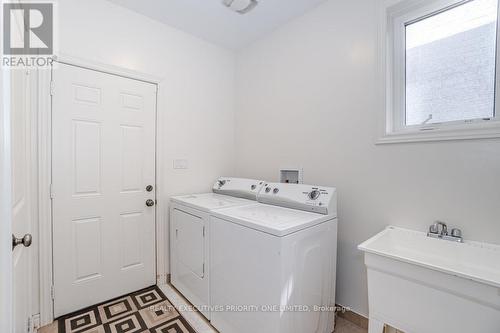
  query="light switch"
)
[{"x": 181, "y": 164}]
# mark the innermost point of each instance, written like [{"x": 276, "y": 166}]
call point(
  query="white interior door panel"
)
[
  {"x": 103, "y": 158},
  {"x": 22, "y": 190}
]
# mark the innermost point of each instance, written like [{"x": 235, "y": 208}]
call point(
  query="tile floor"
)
[
  {"x": 344, "y": 326},
  {"x": 201, "y": 325},
  {"x": 52, "y": 328},
  {"x": 146, "y": 310}
]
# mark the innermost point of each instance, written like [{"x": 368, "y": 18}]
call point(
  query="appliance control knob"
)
[
  {"x": 276, "y": 190},
  {"x": 268, "y": 189},
  {"x": 222, "y": 183},
  {"x": 314, "y": 194},
  {"x": 253, "y": 187}
]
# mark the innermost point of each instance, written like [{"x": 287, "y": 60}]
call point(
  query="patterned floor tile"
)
[
  {"x": 129, "y": 324},
  {"x": 117, "y": 309},
  {"x": 146, "y": 298},
  {"x": 159, "y": 313},
  {"x": 146, "y": 310},
  {"x": 83, "y": 321},
  {"x": 176, "y": 326}
]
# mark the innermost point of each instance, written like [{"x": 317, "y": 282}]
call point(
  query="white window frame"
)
[{"x": 393, "y": 16}]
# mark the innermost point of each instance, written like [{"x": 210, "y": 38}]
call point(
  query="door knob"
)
[
  {"x": 26, "y": 241},
  {"x": 150, "y": 202}
]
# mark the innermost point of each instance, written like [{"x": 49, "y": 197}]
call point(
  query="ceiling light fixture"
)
[{"x": 240, "y": 6}]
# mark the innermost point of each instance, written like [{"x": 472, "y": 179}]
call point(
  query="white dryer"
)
[
  {"x": 189, "y": 235},
  {"x": 273, "y": 263}
]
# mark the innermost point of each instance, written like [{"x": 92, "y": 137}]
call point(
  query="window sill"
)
[{"x": 441, "y": 134}]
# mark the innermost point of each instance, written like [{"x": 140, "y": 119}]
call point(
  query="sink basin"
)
[{"x": 425, "y": 285}]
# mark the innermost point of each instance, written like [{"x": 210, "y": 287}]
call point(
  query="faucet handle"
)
[
  {"x": 444, "y": 228},
  {"x": 457, "y": 233},
  {"x": 434, "y": 228}
]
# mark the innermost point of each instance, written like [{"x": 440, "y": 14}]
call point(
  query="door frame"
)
[
  {"x": 6, "y": 282},
  {"x": 45, "y": 175}
]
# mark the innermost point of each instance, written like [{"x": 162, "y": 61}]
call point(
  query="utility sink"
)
[{"x": 419, "y": 284}]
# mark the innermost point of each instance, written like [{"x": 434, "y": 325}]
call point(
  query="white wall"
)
[
  {"x": 196, "y": 95},
  {"x": 306, "y": 97}
]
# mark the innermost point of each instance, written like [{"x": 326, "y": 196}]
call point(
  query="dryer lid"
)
[{"x": 209, "y": 201}]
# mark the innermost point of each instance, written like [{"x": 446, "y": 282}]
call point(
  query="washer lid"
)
[
  {"x": 210, "y": 201},
  {"x": 275, "y": 220}
]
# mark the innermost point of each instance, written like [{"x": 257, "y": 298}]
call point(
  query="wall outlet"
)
[
  {"x": 291, "y": 175},
  {"x": 181, "y": 164}
]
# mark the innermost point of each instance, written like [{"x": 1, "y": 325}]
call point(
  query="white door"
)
[
  {"x": 103, "y": 159},
  {"x": 22, "y": 191},
  {"x": 5, "y": 206}
]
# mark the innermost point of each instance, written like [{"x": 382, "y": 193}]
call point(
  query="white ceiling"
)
[{"x": 212, "y": 21}]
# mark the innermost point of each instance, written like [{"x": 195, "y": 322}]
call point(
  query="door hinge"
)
[
  {"x": 28, "y": 325},
  {"x": 52, "y": 292},
  {"x": 203, "y": 231},
  {"x": 51, "y": 189},
  {"x": 203, "y": 274},
  {"x": 52, "y": 88},
  {"x": 34, "y": 323},
  {"x": 176, "y": 233}
]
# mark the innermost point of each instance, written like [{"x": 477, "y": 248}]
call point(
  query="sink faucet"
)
[
  {"x": 444, "y": 228},
  {"x": 440, "y": 230}
]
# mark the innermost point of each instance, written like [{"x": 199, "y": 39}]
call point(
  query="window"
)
[{"x": 441, "y": 69}]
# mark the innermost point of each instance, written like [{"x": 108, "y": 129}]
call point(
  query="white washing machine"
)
[
  {"x": 189, "y": 239},
  {"x": 273, "y": 263}
]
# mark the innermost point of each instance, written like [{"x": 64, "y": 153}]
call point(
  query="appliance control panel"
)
[
  {"x": 318, "y": 199},
  {"x": 238, "y": 187}
]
